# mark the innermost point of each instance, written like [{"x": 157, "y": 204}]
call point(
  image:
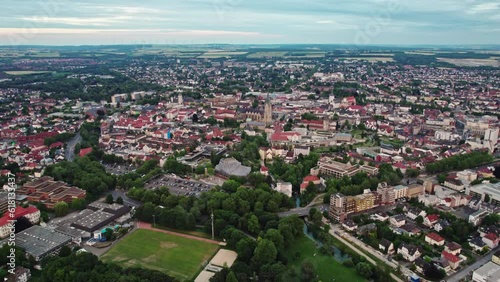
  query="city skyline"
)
[{"x": 369, "y": 22}]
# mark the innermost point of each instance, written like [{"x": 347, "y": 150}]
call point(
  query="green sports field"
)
[{"x": 179, "y": 257}]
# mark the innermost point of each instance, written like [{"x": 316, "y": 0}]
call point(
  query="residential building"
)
[
  {"x": 434, "y": 239},
  {"x": 409, "y": 252},
  {"x": 491, "y": 240},
  {"x": 415, "y": 190},
  {"x": 386, "y": 246},
  {"x": 31, "y": 213},
  {"x": 400, "y": 192},
  {"x": 284, "y": 187},
  {"x": 453, "y": 248},
  {"x": 397, "y": 220},
  {"x": 387, "y": 194},
  {"x": 414, "y": 212},
  {"x": 430, "y": 220},
  {"x": 349, "y": 225},
  {"x": 454, "y": 184},
  {"x": 452, "y": 259}
]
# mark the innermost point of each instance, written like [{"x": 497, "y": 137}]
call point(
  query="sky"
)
[{"x": 360, "y": 22}]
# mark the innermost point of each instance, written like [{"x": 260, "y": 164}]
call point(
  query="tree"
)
[
  {"x": 119, "y": 200},
  {"x": 78, "y": 204},
  {"x": 308, "y": 271},
  {"x": 264, "y": 253},
  {"x": 275, "y": 236},
  {"x": 231, "y": 277},
  {"x": 253, "y": 224},
  {"x": 109, "y": 199},
  {"x": 65, "y": 251},
  {"x": 364, "y": 269},
  {"x": 61, "y": 208},
  {"x": 315, "y": 215},
  {"x": 419, "y": 219}
]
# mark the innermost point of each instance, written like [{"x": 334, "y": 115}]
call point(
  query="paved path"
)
[{"x": 145, "y": 225}]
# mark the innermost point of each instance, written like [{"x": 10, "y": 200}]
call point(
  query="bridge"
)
[{"x": 303, "y": 212}]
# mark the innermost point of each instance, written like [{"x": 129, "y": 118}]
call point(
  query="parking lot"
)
[
  {"x": 179, "y": 186},
  {"x": 118, "y": 169}
]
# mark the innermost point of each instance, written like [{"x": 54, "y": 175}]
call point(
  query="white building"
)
[
  {"x": 490, "y": 272},
  {"x": 284, "y": 187}
]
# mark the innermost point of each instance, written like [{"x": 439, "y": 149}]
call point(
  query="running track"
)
[{"x": 145, "y": 225}]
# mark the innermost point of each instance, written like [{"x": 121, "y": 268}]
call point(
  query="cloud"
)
[
  {"x": 79, "y": 21},
  {"x": 325, "y": 22}
]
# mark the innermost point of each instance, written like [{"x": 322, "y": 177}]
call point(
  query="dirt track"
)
[{"x": 145, "y": 225}]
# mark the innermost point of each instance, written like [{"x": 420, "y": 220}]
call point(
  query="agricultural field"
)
[
  {"x": 179, "y": 257},
  {"x": 223, "y": 54},
  {"x": 25, "y": 72},
  {"x": 306, "y": 54},
  {"x": 370, "y": 59},
  {"x": 267, "y": 54},
  {"x": 491, "y": 62},
  {"x": 327, "y": 267}
]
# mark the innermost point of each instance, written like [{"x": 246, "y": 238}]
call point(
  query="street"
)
[
  {"x": 70, "y": 147},
  {"x": 126, "y": 200}
]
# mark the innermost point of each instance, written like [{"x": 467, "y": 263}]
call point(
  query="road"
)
[
  {"x": 303, "y": 211},
  {"x": 126, "y": 200},
  {"x": 369, "y": 259},
  {"x": 70, "y": 147},
  {"x": 464, "y": 272}
]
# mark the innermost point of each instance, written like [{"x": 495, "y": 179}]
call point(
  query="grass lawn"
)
[
  {"x": 327, "y": 267},
  {"x": 179, "y": 257}
]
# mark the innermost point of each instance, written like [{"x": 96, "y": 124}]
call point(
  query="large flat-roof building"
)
[
  {"x": 40, "y": 241},
  {"x": 490, "y": 272},
  {"x": 232, "y": 167},
  {"x": 483, "y": 189},
  {"x": 327, "y": 166},
  {"x": 49, "y": 192}
]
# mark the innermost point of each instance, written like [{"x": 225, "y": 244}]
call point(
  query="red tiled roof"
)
[
  {"x": 450, "y": 257},
  {"x": 85, "y": 151},
  {"x": 310, "y": 178},
  {"x": 432, "y": 217},
  {"x": 491, "y": 236},
  {"x": 435, "y": 237},
  {"x": 20, "y": 212}
]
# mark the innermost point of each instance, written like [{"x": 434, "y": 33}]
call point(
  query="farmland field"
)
[
  {"x": 267, "y": 54},
  {"x": 214, "y": 55},
  {"x": 492, "y": 62},
  {"x": 179, "y": 257},
  {"x": 370, "y": 59},
  {"x": 25, "y": 72}
]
